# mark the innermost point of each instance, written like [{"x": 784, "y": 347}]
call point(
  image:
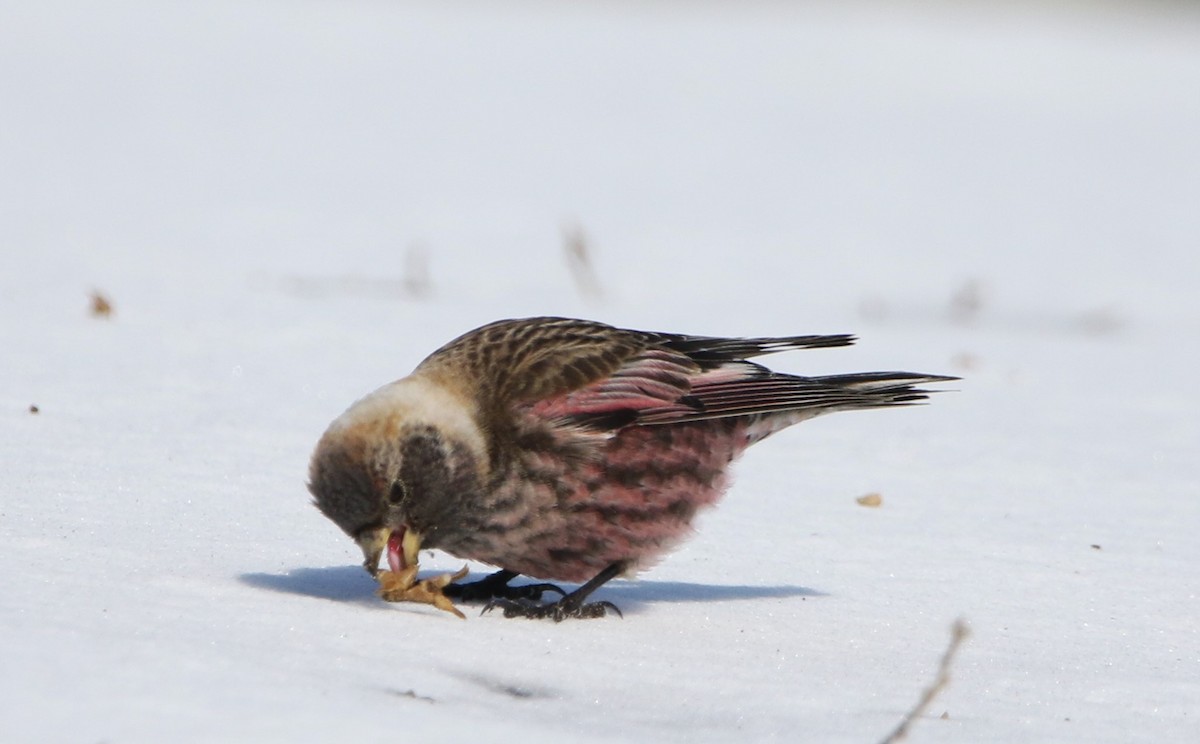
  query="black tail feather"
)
[
  {"x": 710, "y": 351},
  {"x": 778, "y": 393}
]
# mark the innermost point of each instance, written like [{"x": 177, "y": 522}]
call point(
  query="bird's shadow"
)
[
  {"x": 334, "y": 583},
  {"x": 352, "y": 584}
]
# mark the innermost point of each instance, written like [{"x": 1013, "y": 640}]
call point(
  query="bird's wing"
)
[
  {"x": 678, "y": 378},
  {"x": 655, "y": 389},
  {"x": 515, "y": 362},
  {"x": 577, "y": 372}
]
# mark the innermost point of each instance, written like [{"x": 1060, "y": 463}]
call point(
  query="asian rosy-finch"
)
[{"x": 562, "y": 449}]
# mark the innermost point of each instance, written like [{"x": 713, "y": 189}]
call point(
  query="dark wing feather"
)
[
  {"x": 712, "y": 351},
  {"x": 760, "y": 391},
  {"x": 515, "y": 362}
]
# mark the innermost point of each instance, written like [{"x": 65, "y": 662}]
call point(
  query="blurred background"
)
[{"x": 1033, "y": 165}]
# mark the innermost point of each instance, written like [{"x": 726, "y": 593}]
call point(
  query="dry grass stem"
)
[
  {"x": 417, "y": 281},
  {"x": 579, "y": 261},
  {"x": 958, "y": 633}
]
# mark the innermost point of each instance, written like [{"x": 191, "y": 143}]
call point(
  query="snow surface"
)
[{"x": 1010, "y": 195}]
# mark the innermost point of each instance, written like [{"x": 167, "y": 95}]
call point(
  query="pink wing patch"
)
[
  {"x": 655, "y": 380},
  {"x": 658, "y": 385}
]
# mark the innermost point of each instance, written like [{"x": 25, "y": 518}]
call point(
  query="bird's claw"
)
[
  {"x": 556, "y": 611},
  {"x": 402, "y": 586}
]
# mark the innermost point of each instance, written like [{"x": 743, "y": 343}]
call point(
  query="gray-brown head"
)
[{"x": 392, "y": 465}]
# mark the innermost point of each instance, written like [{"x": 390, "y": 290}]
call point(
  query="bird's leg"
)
[
  {"x": 571, "y": 605},
  {"x": 496, "y": 586}
]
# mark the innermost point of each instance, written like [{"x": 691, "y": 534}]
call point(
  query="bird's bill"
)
[
  {"x": 373, "y": 544},
  {"x": 402, "y": 546}
]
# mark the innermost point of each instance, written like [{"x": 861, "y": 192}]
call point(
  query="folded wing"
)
[{"x": 693, "y": 378}]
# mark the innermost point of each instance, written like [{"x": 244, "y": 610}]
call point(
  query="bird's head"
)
[{"x": 384, "y": 470}]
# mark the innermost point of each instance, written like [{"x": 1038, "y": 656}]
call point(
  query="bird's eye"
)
[{"x": 397, "y": 494}]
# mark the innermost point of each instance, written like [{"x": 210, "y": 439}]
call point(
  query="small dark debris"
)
[
  {"x": 520, "y": 692},
  {"x": 945, "y": 716},
  {"x": 579, "y": 260},
  {"x": 34, "y": 409},
  {"x": 1096, "y": 547},
  {"x": 101, "y": 305},
  {"x": 965, "y": 360},
  {"x": 412, "y": 694},
  {"x": 967, "y": 302},
  {"x": 416, "y": 281},
  {"x": 872, "y": 500}
]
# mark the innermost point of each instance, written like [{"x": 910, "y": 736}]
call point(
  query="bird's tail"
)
[
  {"x": 815, "y": 396},
  {"x": 876, "y": 389}
]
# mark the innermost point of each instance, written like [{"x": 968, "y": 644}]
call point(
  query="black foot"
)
[
  {"x": 496, "y": 587},
  {"x": 570, "y": 606},
  {"x": 556, "y": 611}
]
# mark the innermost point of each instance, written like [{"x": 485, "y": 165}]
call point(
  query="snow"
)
[{"x": 1006, "y": 194}]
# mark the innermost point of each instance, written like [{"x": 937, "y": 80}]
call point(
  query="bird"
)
[{"x": 562, "y": 450}]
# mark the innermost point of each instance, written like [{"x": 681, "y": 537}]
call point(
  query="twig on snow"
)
[{"x": 958, "y": 633}]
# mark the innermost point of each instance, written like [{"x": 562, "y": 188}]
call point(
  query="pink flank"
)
[{"x": 633, "y": 503}]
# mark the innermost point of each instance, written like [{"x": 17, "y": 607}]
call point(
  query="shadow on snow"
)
[{"x": 352, "y": 584}]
